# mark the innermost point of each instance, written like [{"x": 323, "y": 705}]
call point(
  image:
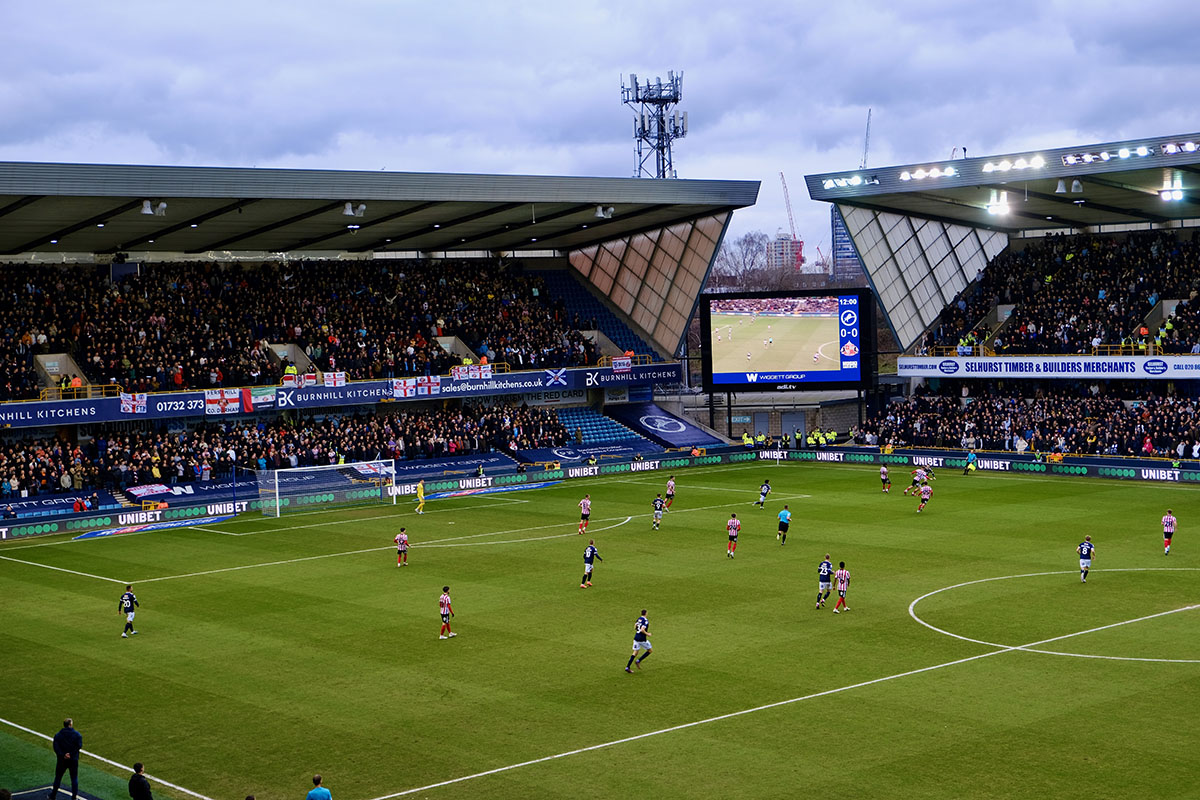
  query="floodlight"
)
[
  {"x": 856, "y": 180},
  {"x": 1037, "y": 162},
  {"x": 147, "y": 208},
  {"x": 904, "y": 176},
  {"x": 1189, "y": 147},
  {"x": 1061, "y": 188},
  {"x": 841, "y": 183},
  {"x": 1076, "y": 186},
  {"x": 935, "y": 173},
  {"x": 1105, "y": 155},
  {"x": 1004, "y": 166},
  {"x": 1143, "y": 150},
  {"x": 1177, "y": 194},
  {"x": 1165, "y": 194},
  {"x": 1020, "y": 163},
  {"x": 1170, "y": 148},
  {"x": 1069, "y": 160},
  {"x": 1123, "y": 152},
  {"x": 949, "y": 172},
  {"x": 990, "y": 167},
  {"x": 1088, "y": 158},
  {"x": 920, "y": 174}
]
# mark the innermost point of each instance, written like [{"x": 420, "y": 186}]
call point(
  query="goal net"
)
[{"x": 303, "y": 488}]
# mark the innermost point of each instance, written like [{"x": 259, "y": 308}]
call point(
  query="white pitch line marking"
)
[
  {"x": 62, "y": 569},
  {"x": 5, "y": 548},
  {"x": 913, "y": 605},
  {"x": 434, "y": 543},
  {"x": 777, "y": 704},
  {"x": 110, "y": 762}
]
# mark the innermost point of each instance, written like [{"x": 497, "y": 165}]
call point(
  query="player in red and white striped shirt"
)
[
  {"x": 670, "y": 492},
  {"x": 842, "y": 579},
  {"x": 734, "y": 527},
  {"x": 1168, "y": 523},
  {"x": 585, "y": 511},
  {"x": 926, "y": 493},
  {"x": 447, "y": 612},
  {"x": 401, "y": 541}
]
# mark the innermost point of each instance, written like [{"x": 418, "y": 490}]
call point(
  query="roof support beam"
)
[
  {"x": 20, "y": 203},
  {"x": 179, "y": 226},
  {"x": 513, "y": 228},
  {"x": 1066, "y": 199},
  {"x": 428, "y": 229},
  {"x": 269, "y": 227},
  {"x": 306, "y": 243},
  {"x": 78, "y": 226}
]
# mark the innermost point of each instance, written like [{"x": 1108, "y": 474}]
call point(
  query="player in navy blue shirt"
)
[
  {"x": 641, "y": 641},
  {"x": 785, "y": 519},
  {"x": 125, "y": 605},
  {"x": 659, "y": 505},
  {"x": 590, "y": 553},
  {"x": 824, "y": 579},
  {"x": 1085, "y": 550},
  {"x": 763, "y": 491}
]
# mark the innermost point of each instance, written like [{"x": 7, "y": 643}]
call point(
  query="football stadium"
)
[{"x": 269, "y": 432}]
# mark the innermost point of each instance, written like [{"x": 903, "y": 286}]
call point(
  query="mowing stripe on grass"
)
[
  {"x": 62, "y": 569},
  {"x": 376, "y": 550},
  {"x": 777, "y": 704},
  {"x": 108, "y": 761}
]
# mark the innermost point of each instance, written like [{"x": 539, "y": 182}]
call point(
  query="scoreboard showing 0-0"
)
[{"x": 794, "y": 341}]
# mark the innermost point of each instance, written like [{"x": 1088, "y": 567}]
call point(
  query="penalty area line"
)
[
  {"x": 777, "y": 704},
  {"x": 62, "y": 569},
  {"x": 108, "y": 761}
]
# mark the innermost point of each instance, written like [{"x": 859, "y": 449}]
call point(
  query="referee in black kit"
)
[{"x": 67, "y": 744}]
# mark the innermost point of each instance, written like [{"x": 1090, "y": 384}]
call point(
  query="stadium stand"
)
[
  {"x": 177, "y": 326},
  {"x": 1074, "y": 294},
  {"x": 115, "y": 460},
  {"x": 1075, "y": 419},
  {"x": 567, "y": 290}
]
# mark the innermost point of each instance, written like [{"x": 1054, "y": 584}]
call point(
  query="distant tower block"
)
[{"x": 656, "y": 123}]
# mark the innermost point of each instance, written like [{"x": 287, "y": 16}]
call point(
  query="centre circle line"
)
[{"x": 1032, "y": 649}]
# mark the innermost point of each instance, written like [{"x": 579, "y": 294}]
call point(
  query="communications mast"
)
[{"x": 656, "y": 123}]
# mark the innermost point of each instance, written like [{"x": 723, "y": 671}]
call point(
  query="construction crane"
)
[
  {"x": 866, "y": 142},
  {"x": 799, "y": 243}
]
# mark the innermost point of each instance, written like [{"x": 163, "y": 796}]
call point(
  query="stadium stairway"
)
[{"x": 563, "y": 285}]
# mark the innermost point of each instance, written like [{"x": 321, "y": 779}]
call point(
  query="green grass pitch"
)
[
  {"x": 299, "y": 647},
  {"x": 796, "y": 340}
]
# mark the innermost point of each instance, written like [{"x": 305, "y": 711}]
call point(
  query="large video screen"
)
[{"x": 798, "y": 341}]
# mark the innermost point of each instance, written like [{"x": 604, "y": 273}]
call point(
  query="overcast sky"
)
[{"x": 534, "y": 87}]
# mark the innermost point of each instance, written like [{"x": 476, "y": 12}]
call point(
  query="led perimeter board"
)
[{"x": 788, "y": 341}]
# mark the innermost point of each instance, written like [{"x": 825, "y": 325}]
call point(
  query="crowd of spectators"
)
[
  {"x": 118, "y": 460},
  {"x": 1075, "y": 420},
  {"x": 1072, "y": 294},
  {"x": 203, "y": 325},
  {"x": 776, "y": 305}
]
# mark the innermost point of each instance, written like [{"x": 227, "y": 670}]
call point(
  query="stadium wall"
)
[
  {"x": 917, "y": 266},
  {"x": 132, "y": 521}
]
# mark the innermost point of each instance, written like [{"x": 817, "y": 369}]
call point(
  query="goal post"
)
[{"x": 294, "y": 489}]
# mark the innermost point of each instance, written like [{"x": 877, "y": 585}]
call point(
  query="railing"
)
[
  {"x": 86, "y": 392},
  {"x": 1134, "y": 349}
]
